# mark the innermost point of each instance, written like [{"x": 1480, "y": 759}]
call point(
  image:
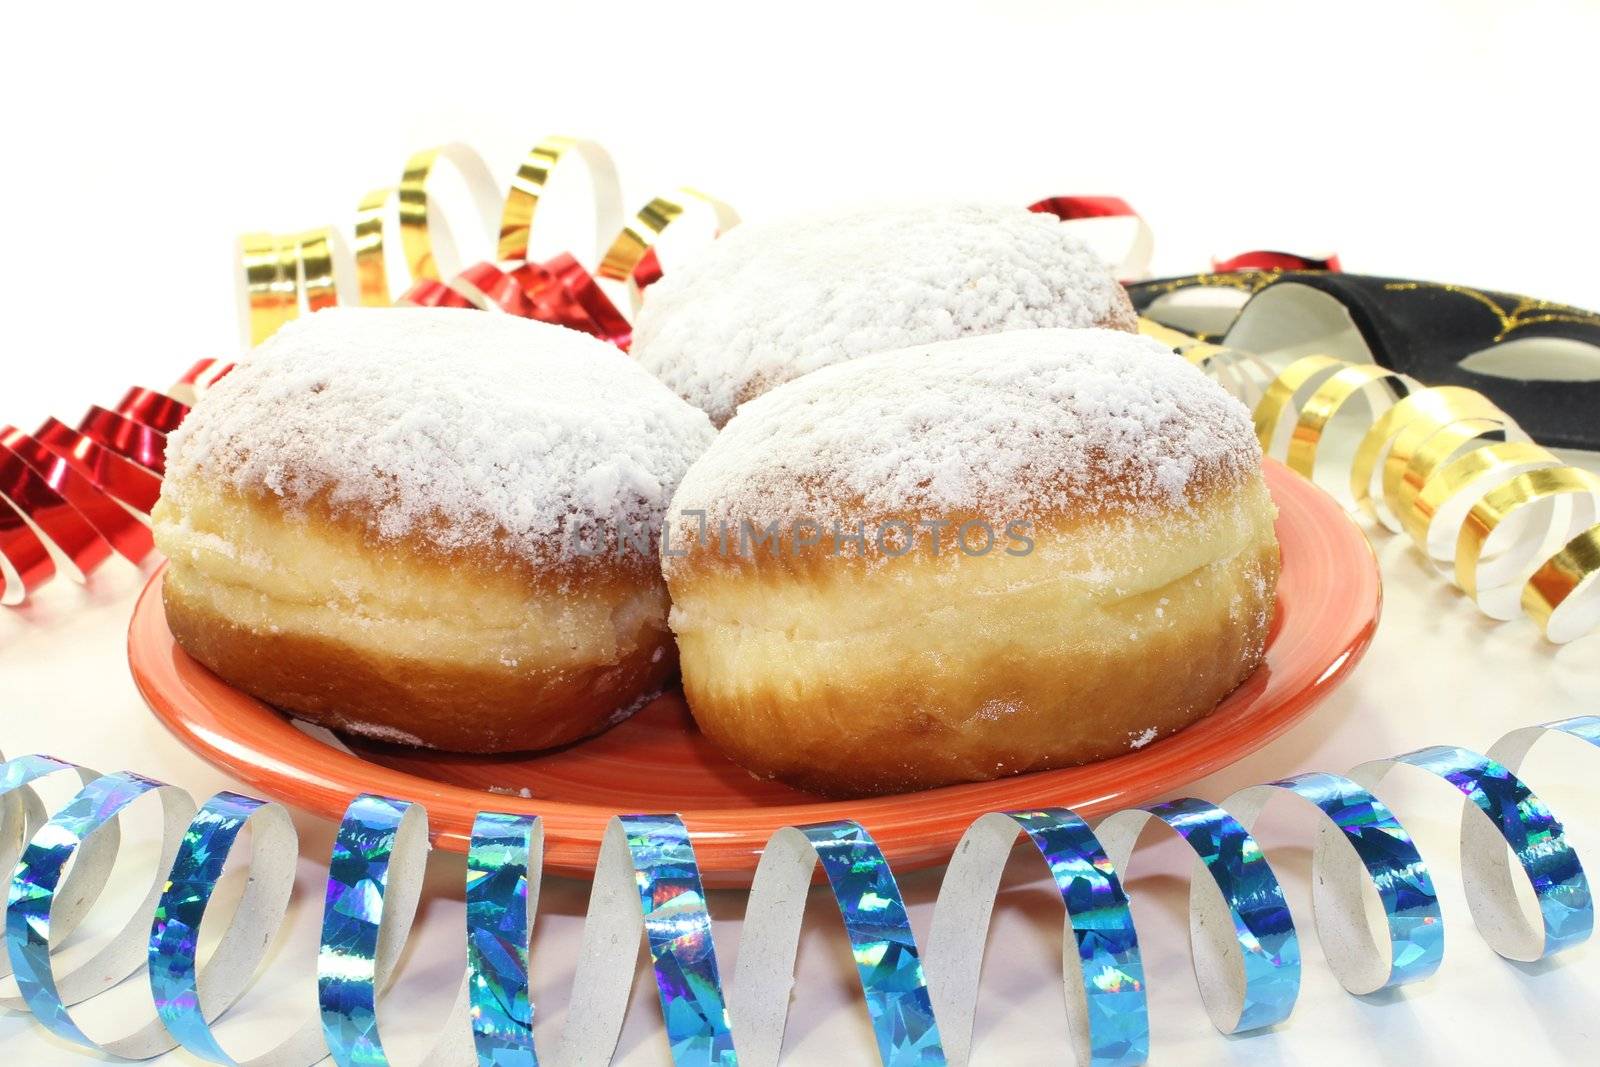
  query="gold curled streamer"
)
[
  {"x": 1326, "y": 401},
  {"x": 417, "y": 237},
  {"x": 1500, "y": 503},
  {"x": 279, "y": 273},
  {"x": 1228, "y": 366},
  {"x": 1431, "y": 446},
  {"x": 1280, "y": 394},
  {"x": 318, "y": 274},
  {"x": 1202, "y": 354},
  {"x": 372, "y": 273},
  {"x": 645, "y": 229},
  {"x": 1175, "y": 339},
  {"x": 267, "y": 270},
  {"x": 632, "y": 243},
  {"x": 1402, "y": 452},
  {"x": 1482, "y": 467},
  {"x": 522, "y": 200},
  {"x": 528, "y": 188},
  {"x": 1246, "y": 373},
  {"x": 1432, "y": 477},
  {"x": 1560, "y": 578},
  {"x": 1440, "y": 404}
]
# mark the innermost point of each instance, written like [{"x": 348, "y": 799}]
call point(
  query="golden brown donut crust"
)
[
  {"x": 859, "y": 680},
  {"x": 466, "y": 651},
  {"x": 438, "y": 704}
]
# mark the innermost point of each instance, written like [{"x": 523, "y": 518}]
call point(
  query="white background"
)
[{"x": 1449, "y": 141}]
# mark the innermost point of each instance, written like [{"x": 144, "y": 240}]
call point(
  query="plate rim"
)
[{"x": 727, "y": 845}]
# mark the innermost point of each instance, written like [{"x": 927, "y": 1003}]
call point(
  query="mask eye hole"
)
[{"x": 1545, "y": 359}]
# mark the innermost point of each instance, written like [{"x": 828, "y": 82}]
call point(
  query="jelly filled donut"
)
[
  {"x": 767, "y": 303},
  {"x": 429, "y": 526},
  {"x": 970, "y": 559}
]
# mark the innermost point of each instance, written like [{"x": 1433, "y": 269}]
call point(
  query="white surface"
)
[{"x": 1434, "y": 140}]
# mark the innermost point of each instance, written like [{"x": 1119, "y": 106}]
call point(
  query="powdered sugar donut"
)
[
  {"x": 767, "y": 303},
  {"x": 970, "y": 559},
  {"x": 429, "y": 526}
]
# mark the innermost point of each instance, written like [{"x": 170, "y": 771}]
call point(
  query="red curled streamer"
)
[
  {"x": 1264, "y": 259},
  {"x": 51, "y": 516},
  {"x": 127, "y": 438},
  {"x": 1068, "y": 208},
  {"x": 559, "y": 290},
  {"x": 1134, "y": 263},
  {"x": 120, "y": 527},
  {"x": 647, "y": 271},
  {"x": 71, "y": 497},
  {"x": 197, "y": 379},
  {"x": 27, "y": 563},
  {"x": 156, "y": 410}
]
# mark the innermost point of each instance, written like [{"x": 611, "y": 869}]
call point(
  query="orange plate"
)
[{"x": 1328, "y": 600}]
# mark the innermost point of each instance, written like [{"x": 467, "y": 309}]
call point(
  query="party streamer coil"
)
[
  {"x": 920, "y": 999},
  {"x": 279, "y": 275},
  {"x": 70, "y": 497},
  {"x": 1512, "y": 525}
]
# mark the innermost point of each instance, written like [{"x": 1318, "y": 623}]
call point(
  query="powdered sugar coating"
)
[
  {"x": 767, "y": 303},
  {"x": 463, "y": 427},
  {"x": 1002, "y": 427}
]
